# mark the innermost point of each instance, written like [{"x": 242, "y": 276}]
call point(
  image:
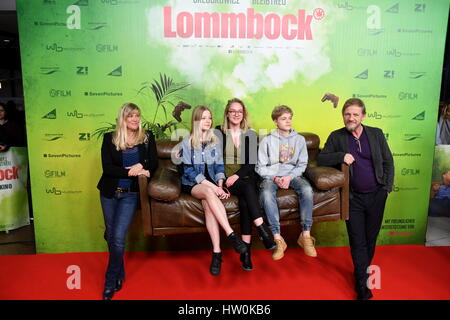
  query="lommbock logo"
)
[
  {"x": 10, "y": 174},
  {"x": 248, "y": 25}
]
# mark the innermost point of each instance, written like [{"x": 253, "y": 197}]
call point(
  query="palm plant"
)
[{"x": 166, "y": 91}]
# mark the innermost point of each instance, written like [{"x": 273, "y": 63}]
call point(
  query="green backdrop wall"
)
[{"x": 82, "y": 59}]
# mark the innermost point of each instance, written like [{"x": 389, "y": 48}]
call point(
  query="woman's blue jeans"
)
[{"x": 118, "y": 213}]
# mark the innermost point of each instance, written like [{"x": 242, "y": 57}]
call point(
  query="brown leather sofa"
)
[{"x": 167, "y": 211}]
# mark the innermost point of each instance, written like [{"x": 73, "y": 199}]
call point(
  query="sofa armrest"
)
[
  {"x": 145, "y": 206},
  {"x": 325, "y": 178},
  {"x": 345, "y": 192},
  {"x": 165, "y": 185}
]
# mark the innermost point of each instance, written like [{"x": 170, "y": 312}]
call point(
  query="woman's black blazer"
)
[{"x": 112, "y": 164}]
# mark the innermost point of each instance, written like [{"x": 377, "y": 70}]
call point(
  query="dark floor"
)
[{"x": 18, "y": 241}]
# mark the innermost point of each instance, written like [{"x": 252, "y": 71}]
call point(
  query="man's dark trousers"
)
[{"x": 363, "y": 226}]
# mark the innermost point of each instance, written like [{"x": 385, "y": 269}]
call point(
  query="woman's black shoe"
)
[
  {"x": 108, "y": 293},
  {"x": 265, "y": 237},
  {"x": 216, "y": 263},
  {"x": 246, "y": 259},
  {"x": 119, "y": 284},
  {"x": 237, "y": 243}
]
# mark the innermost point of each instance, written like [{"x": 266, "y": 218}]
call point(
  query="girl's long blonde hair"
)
[
  {"x": 120, "y": 135},
  {"x": 245, "y": 121},
  {"x": 196, "y": 131}
]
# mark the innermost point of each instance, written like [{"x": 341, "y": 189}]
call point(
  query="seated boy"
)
[{"x": 282, "y": 159}]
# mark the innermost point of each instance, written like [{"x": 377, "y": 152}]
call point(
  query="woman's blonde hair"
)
[
  {"x": 245, "y": 121},
  {"x": 196, "y": 130},
  {"x": 120, "y": 135}
]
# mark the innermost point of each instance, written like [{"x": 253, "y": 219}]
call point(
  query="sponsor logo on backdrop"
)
[
  {"x": 84, "y": 136},
  {"x": 244, "y": 25},
  {"x": 407, "y": 95},
  {"x": 61, "y": 155},
  {"x": 400, "y": 189},
  {"x": 80, "y": 115},
  {"x": 394, "y": 9},
  {"x": 420, "y": 116},
  {"x": 49, "y": 70},
  {"x": 49, "y": 24},
  {"x": 395, "y": 224},
  {"x": 364, "y": 52},
  {"x": 374, "y": 20},
  {"x": 369, "y": 96},
  {"x": 117, "y": 72},
  {"x": 53, "y": 136},
  {"x": 420, "y": 7},
  {"x": 82, "y": 3},
  {"x": 54, "y": 93},
  {"x": 119, "y": 2},
  {"x": 108, "y": 48},
  {"x": 397, "y": 53},
  {"x": 59, "y": 48},
  {"x": 103, "y": 94},
  {"x": 378, "y": 116},
  {"x": 389, "y": 74},
  {"x": 416, "y": 75},
  {"x": 406, "y": 154},
  {"x": 363, "y": 75},
  {"x": 411, "y": 136},
  {"x": 403, "y": 30},
  {"x": 82, "y": 70},
  {"x": 59, "y": 192},
  {"x": 410, "y": 172},
  {"x": 349, "y": 6},
  {"x": 51, "y": 115},
  {"x": 10, "y": 173},
  {"x": 97, "y": 25},
  {"x": 49, "y": 1},
  {"x": 54, "y": 174}
]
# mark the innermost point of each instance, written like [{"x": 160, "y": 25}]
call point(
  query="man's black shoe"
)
[
  {"x": 108, "y": 293},
  {"x": 237, "y": 243},
  {"x": 216, "y": 263},
  {"x": 119, "y": 284}
]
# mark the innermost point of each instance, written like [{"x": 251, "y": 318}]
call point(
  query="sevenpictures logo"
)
[
  {"x": 61, "y": 155},
  {"x": 103, "y": 94},
  {"x": 406, "y": 154},
  {"x": 369, "y": 96}
]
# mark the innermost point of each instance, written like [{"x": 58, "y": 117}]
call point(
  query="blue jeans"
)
[
  {"x": 268, "y": 200},
  {"x": 118, "y": 213}
]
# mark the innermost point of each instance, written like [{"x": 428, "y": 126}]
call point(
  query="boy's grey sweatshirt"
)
[{"x": 280, "y": 156}]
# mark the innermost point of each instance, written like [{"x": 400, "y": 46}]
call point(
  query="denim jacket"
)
[{"x": 194, "y": 162}]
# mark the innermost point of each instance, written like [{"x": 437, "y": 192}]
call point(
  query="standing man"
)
[
  {"x": 282, "y": 159},
  {"x": 367, "y": 153}
]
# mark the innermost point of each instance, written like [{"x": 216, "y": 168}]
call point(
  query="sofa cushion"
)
[
  {"x": 165, "y": 185},
  {"x": 325, "y": 178}
]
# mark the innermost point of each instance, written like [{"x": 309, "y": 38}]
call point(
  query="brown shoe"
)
[
  {"x": 278, "y": 253},
  {"x": 307, "y": 243}
]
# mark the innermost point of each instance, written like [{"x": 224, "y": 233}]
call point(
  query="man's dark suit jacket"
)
[{"x": 337, "y": 146}]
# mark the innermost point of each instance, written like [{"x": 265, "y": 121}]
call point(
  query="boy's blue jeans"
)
[{"x": 268, "y": 200}]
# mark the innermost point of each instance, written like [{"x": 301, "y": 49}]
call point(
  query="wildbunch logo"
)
[
  {"x": 397, "y": 53},
  {"x": 58, "y": 48},
  {"x": 51, "y": 115}
]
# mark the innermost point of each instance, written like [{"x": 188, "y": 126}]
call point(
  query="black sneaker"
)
[
  {"x": 238, "y": 245},
  {"x": 216, "y": 263}
]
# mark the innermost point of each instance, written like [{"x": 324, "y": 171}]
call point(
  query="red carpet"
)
[{"x": 407, "y": 272}]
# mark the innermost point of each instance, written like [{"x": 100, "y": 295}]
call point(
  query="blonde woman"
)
[
  {"x": 127, "y": 152},
  {"x": 240, "y": 155},
  {"x": 203, "y": 177}
]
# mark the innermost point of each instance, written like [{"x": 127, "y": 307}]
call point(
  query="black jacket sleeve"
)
[
  {"x": 151, "y": 162},
  {"x": 109, "y": 154},
  {"x": 332, "y": 153}
]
